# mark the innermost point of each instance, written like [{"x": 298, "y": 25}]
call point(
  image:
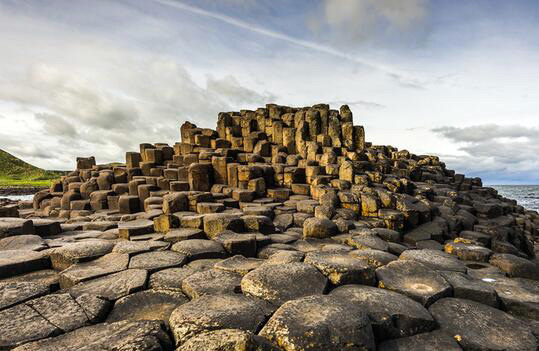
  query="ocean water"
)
[
  {"x": 526, "y": 195},
  {"x": 17, "y": 197}
]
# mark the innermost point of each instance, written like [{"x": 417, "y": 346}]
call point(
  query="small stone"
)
[
  {"x": 196, "y": 249},
  {"x": 318, "y": 228},
  {"x": 113, "y": 286}
]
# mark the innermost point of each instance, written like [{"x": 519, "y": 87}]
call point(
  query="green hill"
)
[{"x": 16, "y": 172}]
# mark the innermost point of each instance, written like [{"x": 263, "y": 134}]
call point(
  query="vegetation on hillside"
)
[{"x": 16, "y": 172}]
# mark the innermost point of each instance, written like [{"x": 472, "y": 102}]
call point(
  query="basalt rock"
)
[{"x": 266, "y": 225}]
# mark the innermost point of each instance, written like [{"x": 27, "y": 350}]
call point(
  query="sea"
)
[{"x": 526, "y": 195}]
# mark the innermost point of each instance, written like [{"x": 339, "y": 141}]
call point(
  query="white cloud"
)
[
  {"x": 500, "y": 152},
  {"x": 357, "y": 20}
]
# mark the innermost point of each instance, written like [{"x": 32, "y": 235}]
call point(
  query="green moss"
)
[{"x": 16, "y": 172}]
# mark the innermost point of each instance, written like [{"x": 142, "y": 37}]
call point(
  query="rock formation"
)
[{"x": 283, "y": 229}]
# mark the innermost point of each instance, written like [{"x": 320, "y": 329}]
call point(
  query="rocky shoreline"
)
[
  {"x": 20, "y": 190},
  {"x": 283, "y": 229}
]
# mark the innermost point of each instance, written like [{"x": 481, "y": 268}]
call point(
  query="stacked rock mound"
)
[{"x": 281, "y": 230}]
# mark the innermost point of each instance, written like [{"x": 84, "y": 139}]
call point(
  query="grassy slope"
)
[{"x": 16, "y": 172}]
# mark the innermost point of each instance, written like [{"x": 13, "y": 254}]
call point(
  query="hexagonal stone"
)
[
  {"x": 466, "y": 287},
  {"x": 280, "y": 283},
  {"x": 435, "y": 340},
  {"x": 124, "y": 335},
  {"x": 113, "y": 286},
  {"x": 79, "y": 272},
  {"x": 515, "y": 266},
  {"x": 261, "y": 224},
  {"x": 133, "y": 228},
  {"x": 341, "y": 268},
  {"x": 437, "y": 260},
  {"x": 519, "y": 297},
  {"x": 12, "y": 293},
  {"x": 211, "y": 282},
  {"x": 136, "y": 247},
  {"x": 45, "y": 277},
  {"x": 392, "y": 315},
  {"x": 319, "y": 323},
  {"x": 63, "y": 311},
  {"x": 481, "y": 327},
  {"x": 467, "y": 251},
  {"x": 375, "y": 258},
  {"x": 21, "y": 324},
  {"x": 227, "y": 339},
  {"x": 147, "y": 305},
  {"x": 65, "y": 256},
  {"x": 23, "y": 242},
  {"x": 239, "y": 264},
  {"x": 15, "y": 226},
  {"x": 414, "y": 280},
  {"x": 46, "y": 227},
  {"x": 213, "y": 312},
  {"x": 196, "y": 249},
  {"x": 180, "y": 234},
  {"x": 237, "y": 244},
  {"x": 171, "y": 278},
  {"x": 157, "y": 260},
  {"x": 318, "y": 228},
  {"x": 368, "y": 240},
  {"x": 15, "y": 262},
  {"x": 218, "y": 222}
]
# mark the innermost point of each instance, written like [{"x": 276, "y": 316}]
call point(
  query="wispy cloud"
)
[{"x": 392, "y": 72}]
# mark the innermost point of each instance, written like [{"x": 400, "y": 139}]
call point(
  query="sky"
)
[{"x": 458, "y": 79}]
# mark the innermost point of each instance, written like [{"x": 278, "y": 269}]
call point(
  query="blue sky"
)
[{"x": 458, "y": 79}]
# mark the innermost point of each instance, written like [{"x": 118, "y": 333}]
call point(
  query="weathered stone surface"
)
[
  {"x": 113, "y": 286},
  {"x": 211, "y": 282},
  {"x": 171, "y": 278},
  {"x": 14, "y": 262},
  {"x": 157, "y": 260},
  {"x": 179, "y": 234},
  {"x": 466, "y": 287},
  {"x": 515, "y": 266},
  {"x": 21, "y": 324},
  {"x": 12, "y": 293},
  {"x": 239, "y": 264},
  {"x": 79, "y": 272},
  {"x": 196, "y": 249},
  {"x": 213, "y": 312},
  {"x": 435, "y": 259},
  {"x": 414, "y": 280},
  {"x": 23, "y": 242},
  {"x": 481, "y": 327},
  {"x": 341, "y": 268},
  {"x": 435, "y": 340},
  {"x": 146, "y": 305},
  {"x": 227, "y": 339},
  {"x": 15, "y": 226},
  {"x": 392, "y": 315},
  {"x": 45, "y": 277},
  {"x": 124, "y": 335},
  {"x": 318, "y": 228},
  {"x": 280, "y": 283},
  {"x": 337, "y": 325},
  {"x": 375, "y": 258},
  {"x": 65, "y": 256},
  {"x": 133, "y": 228}
]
